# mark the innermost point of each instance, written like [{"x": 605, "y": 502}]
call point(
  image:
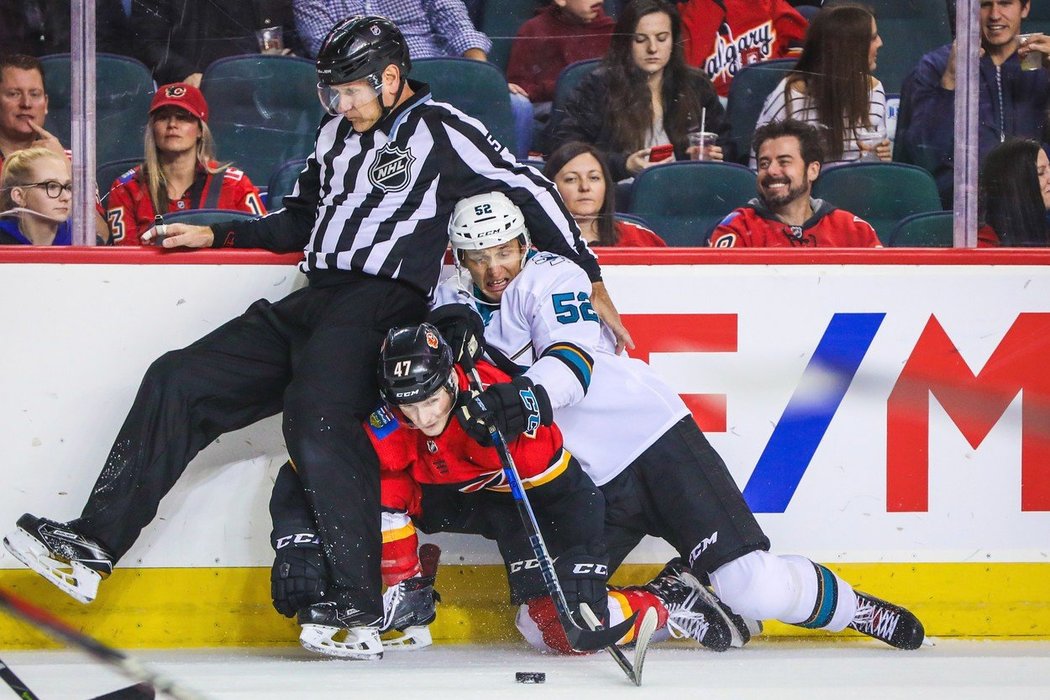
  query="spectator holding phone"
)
[{"x": 643, "y": 96}]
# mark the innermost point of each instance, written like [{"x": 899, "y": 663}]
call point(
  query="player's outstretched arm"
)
[
  {"x": 179, "y": 235},
  {"x": 603, "y": 304}
]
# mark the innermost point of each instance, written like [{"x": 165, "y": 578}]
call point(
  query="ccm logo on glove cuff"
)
[{"x": 596, "y": 569}]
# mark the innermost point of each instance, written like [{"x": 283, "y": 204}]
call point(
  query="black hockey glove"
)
[
  {"x": 299, "y": 576},
  {"x": 583, "y": 579},
  {"x": 515, "y": 407},
  {"x": 464, "y": 331}
]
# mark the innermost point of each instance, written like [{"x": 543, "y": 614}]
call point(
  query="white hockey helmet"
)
[{"x": 485, "y": 221}]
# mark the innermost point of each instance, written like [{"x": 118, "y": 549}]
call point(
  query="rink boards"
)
[{"x": 885, "y": 412}]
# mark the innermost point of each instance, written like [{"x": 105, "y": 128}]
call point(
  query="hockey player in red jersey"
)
[
  {"x": 790, "y": 154},
  {"x": 180, "y": 171}
]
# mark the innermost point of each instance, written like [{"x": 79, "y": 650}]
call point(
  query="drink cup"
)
[
  {"x": 271, "y": 39},
  {"x": 697, "y": 141},
  {"x": 1033, "y": 60}
]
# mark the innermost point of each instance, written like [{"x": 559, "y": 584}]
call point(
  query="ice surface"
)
[{"x": 843, "y": 670}]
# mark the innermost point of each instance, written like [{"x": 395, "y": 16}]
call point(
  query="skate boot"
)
[
  {"x": 341, "y": 630},
  {"x": 72, "y": 562},
  {"x": 409, "y": 607},
  {"x": 887, "y": 622},
  {"x": 692, "y": 610}
]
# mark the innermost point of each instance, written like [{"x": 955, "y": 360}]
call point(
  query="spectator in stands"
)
[
  {"x": 23, "y": 108},
  {"x": 564, "y": 32},
  {"x": 1011, "y": 102},
  {"x": 1015, "y": 195},
  {"x": 579, "y": 171},
  {"x": 36, "y": 198},
  {"x": 832, "y": 85},
  {"x": 643, "y": 95},
  {"x": 179, "y": 172},
  {"x": 723, "y": 36},
  {"x": 433, "y": 28},
  {"x": 789, "y": 154},
  {"x": 179, "y": 39}
]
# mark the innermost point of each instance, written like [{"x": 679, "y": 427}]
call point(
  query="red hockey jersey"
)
[
  {"x": 454, "y": 458},
  {"x": 723, "y": 36},
  {"x": 756, "y": 226},
  {"x": 129, "y": 210}
]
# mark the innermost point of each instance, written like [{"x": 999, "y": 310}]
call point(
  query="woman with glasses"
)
[
  {"x": 179, "y": 171},
  {"x": 36, "y": 199}
]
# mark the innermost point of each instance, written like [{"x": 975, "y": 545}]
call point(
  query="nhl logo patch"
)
[{"x": 391, "y": 170}]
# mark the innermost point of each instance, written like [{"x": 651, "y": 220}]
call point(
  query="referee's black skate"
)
[
  {"x": 409, "y": 607},
  {"x": 337, "y": 629},
  {"x": 72, "y": 562},
  {"x": 887, "y": 622},
  {"x": 692, "y": 610}
]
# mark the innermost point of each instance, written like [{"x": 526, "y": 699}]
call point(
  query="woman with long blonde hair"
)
[{"x": 179, "y": 170}]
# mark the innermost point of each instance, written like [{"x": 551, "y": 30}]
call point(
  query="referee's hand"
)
[{"x": 179, "y": 235}]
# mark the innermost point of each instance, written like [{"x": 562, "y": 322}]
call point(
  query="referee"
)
[{"x": 370, "y": 211}]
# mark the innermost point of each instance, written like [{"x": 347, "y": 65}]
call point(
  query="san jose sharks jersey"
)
[{"x": 610, "y": 407}]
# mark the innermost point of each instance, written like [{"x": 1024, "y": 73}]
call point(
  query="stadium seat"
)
[
  {"x": 747, "y": 93},
  {"x": 927, "y": 230},
  {"x": 123, "y": 90},
  {"x": 477, "y": 88},
  {"x": 880, "y": 193},
  {"x": 909, "y": 29},
  {"x": 263, "y": 110},
  {"x": 282, "y": 181},
  {"x": 500, "y": 22},
  {"x": 1038, "y": 19},
  {"x": 206, "y": 217},
  {"x": 106, "y": 173},
  {"x": 684, "y": 201},
  {"x": 569, "y": 77}
]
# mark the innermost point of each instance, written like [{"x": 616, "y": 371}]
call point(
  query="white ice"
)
[{"x": 765, "y": 669}]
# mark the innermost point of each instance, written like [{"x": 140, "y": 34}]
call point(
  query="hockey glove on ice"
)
[
  {"x": 515, "y": 407},
  {"x": 464, "y": 331},
  {"x": 582, "y": 579},
  {"x": 299, "y": 576}
]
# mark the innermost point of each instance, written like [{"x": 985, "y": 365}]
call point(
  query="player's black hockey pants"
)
[{"x": 314, "y": 354}]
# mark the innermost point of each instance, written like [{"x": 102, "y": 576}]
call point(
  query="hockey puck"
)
[{"x": 530, "y": 677}]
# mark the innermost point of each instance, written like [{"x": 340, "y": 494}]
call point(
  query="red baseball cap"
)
[{"x": 181, "y": 95}]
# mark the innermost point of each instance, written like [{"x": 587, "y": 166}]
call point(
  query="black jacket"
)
[{"x": 586, "y": 119}]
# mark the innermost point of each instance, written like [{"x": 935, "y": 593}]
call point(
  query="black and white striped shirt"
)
[{"x": 379, "y": 203}]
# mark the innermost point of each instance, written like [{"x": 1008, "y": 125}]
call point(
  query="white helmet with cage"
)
[{"x": 485, "y": 221}]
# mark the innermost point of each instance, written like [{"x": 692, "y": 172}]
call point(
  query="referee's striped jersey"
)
[{"x": 379, "y": 202}]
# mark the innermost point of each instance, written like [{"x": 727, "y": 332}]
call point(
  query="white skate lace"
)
[
  {"x": 688, "y": 623},
  {"x": 392, "y": 598},
  {"x": 875, "y": 620}
]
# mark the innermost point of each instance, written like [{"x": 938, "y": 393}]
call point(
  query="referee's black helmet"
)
[
  {"x": 415, "y": 361},
  {"x": 359, "y": 47}
]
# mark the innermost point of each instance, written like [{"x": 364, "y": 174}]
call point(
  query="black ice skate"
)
[
  {"x": 357, "y": 631},
  {"x": 74, "y": 563},
  {"x": 887, "y": 622},
  {"x": 692, "y": 610},
  {"x": 409, "y": 607}
]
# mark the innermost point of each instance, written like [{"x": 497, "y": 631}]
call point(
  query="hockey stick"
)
[
  {"x": 128, "y": 666},
  {"x": 15, "y": 683},
  {"x": 579, "y": 638},
  {"x": 641, "y": 641}
]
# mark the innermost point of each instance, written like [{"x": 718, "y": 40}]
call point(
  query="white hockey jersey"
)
[{"x": 610, "y": 407}]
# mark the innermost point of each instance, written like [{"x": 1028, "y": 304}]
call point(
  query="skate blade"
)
[
  {"x": 72, "y": 578},
  {"x": 412, "y": 639},
  {"x": 320, "y": 638}
]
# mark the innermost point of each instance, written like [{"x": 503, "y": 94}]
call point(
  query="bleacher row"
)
[{"x": 264, "y": 114}]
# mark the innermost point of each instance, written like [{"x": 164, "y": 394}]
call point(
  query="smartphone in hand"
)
[{"x": 661, "y": 152}]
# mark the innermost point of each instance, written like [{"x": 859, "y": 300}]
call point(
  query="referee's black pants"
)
[{"x": 315, "y": 354}]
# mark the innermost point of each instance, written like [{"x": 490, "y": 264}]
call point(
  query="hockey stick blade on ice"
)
[
  {"x": 15, "y": 683},
  {"x": 579, "y": 638},
  {"x": 641, "y": 642},
  {"x": 128, "y": 666}
]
